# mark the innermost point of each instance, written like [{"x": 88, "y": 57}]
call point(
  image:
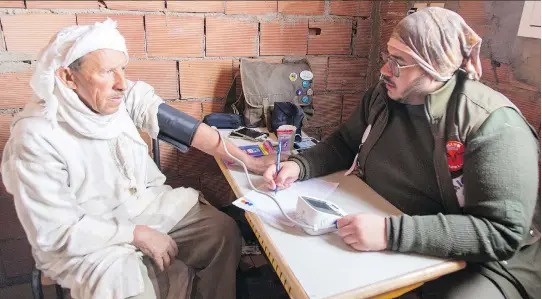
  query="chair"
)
[
  {"x": 156, "y": 147},
  {"x": 39, "y": 280}
]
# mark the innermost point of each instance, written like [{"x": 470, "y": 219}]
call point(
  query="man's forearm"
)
[
  {"x": 453, "y": 236},
  {"x": 207, "y": 140},
  {"x": 328, "y": 156}
]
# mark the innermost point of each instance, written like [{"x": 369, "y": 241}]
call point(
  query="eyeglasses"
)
[{"x": 394, "y": 65}]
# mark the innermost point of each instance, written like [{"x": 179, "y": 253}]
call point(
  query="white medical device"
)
[
  {"x": 314, "y": 216},
  {"x": 320, "y": 215}
]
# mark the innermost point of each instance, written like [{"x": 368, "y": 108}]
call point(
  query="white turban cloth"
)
[{"x": 60, "y": 103}]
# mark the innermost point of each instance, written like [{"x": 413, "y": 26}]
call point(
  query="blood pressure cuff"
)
[{"x": 176, "y": 127}]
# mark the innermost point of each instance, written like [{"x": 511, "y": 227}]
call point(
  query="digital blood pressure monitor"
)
[{"x": 320, "y": 215}]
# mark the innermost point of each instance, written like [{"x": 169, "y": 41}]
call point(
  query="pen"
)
[{"x": 278, "y": 163}]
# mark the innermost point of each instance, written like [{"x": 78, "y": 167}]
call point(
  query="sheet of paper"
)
[{"x": 266, "y": 207}]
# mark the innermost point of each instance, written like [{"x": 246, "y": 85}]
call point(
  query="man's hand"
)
[
  {"x": 364, "y": 232},
  {"x": 261, "y": 164},
  {"x": 289, "y": 173},
  {"x": 160, "y": 247}
]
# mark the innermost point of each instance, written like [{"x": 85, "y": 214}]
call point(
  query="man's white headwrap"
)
[{"x": 59, "y": 102}]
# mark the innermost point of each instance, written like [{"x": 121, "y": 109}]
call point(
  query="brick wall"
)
[{"x": 189, "y": 51}]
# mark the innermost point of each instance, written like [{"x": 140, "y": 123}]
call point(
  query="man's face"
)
[
  {"x": 100, "y": 81},
  {"x": 411, "y": 80}
]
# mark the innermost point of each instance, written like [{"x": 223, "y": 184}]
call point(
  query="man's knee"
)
[{"x": 226, "y": 229}]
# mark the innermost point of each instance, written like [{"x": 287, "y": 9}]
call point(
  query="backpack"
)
[{"x": 265, "y": 84}]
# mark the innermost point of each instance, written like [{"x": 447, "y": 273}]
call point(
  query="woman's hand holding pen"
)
[{"x": 289, "y": 173}]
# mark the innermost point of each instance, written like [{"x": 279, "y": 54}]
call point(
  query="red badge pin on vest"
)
[{"x": 454, "y": 154}]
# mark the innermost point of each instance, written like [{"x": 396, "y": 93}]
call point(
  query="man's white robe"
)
[{"x": 79, "y": 199}]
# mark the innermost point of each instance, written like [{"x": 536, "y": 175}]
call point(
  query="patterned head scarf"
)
[{"x": 440, "y": 41}]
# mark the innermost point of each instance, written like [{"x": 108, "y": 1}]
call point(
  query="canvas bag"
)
[{"x": 266, "y": 83}]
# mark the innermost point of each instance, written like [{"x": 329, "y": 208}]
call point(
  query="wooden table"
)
[{"x": 325, "y": 267}]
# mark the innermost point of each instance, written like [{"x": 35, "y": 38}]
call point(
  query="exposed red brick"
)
[
  {"x": 184, "y": 180},
  {"x": 386, "y": 29},
  {"x": 326, "y": 131},
  {"x": 62, "y": 4},
  {"x": 235, "y": 70},
  {"x": 11, "y": 4},
  {"x": 130, "y": 26},
  {"x": 327, "y": 110},
  {"x": 215, "y": 188},
  {"x": 334, "y": 38},
  {"x": 529, "y": 104},
  {"x": 195, "y": 6},
  {"x": 19, "y": 91},
  {"x": 147, "y": 138},
  {"x": 351, "y": 8},
  {"x": 487, "y": 69},
  {"x": 393, "y": 9},
  {"x": 527, "y": 101},
  {"x": 212, "y": 107},
  {"x": 29, "y": 33},
  {"x": 514, "y": 82},
  {"x": 350, "y": 102},
  {"x": 319, "y": 69},
  {"x": 231, "y": 37},
  {"x": 6, "y": 201},
  {"x": 5, "y": 124},
  {"x": 250, "y": 7},
  {"x": 205, "y": 78},
  {"x": 9, "y": 222},
  {"x": 192, "y": 108},
  {"x": 16, "y": 257},
  {"x": 481, "y": 30},
  {"x": 194, "y": 162},
  {"x": 503, "y": 72},
  {"x": 160, "y": 74},
  {"x": 362, "y": 46},
  {"x": 135, "y": 5},
  {"x": 169, "y": 159},
  {"x": 347, "y": 73},
  {"x": 313, "y": 132},
  {"x": 174, "y": 36},
  {"x": 473, "y": 12},
  {"x": 284, "y": 38},
  {"x": 311, "y": 8}
]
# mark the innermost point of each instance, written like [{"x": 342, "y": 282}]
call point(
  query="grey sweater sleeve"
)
[
  {"x": 501, "y": 187},
  {"x": 337, "y": 151}
]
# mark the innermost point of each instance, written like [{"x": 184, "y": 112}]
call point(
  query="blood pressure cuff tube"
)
[{"x": 176, "y": 127}]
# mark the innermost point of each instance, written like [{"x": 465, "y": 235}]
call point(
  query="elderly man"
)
[
  {"x": 455, "y": 156},
  {"x": 89, "y": 197}
]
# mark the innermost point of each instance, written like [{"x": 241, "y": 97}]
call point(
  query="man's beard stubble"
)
[{"x": 412, "y": 93}]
